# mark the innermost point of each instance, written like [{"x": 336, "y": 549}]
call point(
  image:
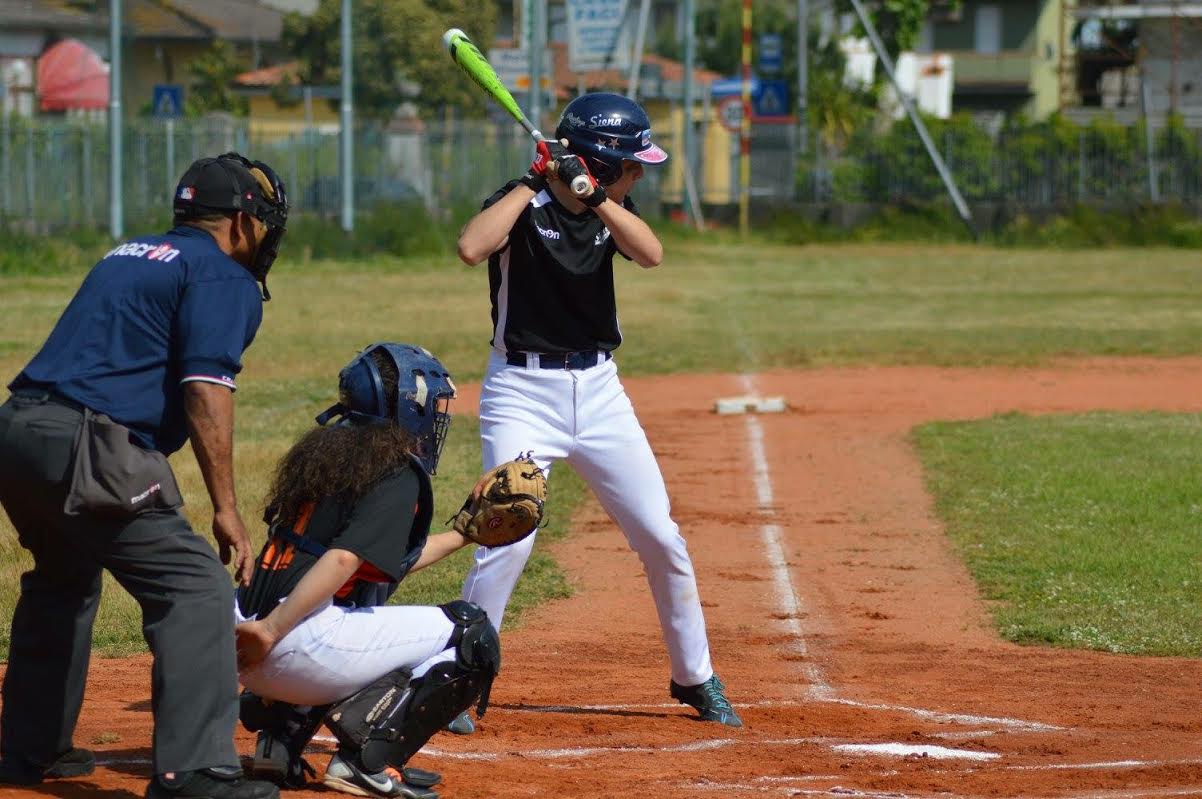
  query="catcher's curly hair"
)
[{"x": 345, "y": 460}]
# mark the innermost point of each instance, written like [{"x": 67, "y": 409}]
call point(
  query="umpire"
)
[{"x": 143, "y": 359}]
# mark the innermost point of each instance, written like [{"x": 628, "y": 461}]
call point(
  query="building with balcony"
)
[{"x": 1008, "y": 55}]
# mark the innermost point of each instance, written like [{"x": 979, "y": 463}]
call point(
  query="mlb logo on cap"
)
[{"x": 187, "y": 192}]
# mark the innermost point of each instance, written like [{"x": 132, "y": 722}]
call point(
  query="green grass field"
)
[
  {"x": 1085, "y": 530},
  {"x": 718, "y": 306}
]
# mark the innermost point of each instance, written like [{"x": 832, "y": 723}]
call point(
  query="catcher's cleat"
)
[
  {"x": 462, "y": 724},
  {"x": 709, "y": 699},
  {"x": 72, "y": 763},
  {"x": 343, "y": 775},
  {"x": 210, "y": 783}
]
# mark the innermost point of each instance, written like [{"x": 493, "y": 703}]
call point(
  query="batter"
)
[{"x": 552, "y": 386}]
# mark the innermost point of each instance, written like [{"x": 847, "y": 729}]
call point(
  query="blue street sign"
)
[
  {"x": 770, "y": 52},
  {"x": 772, "y": 99},
  {"x": 728, "y": 86},
  {"x": 168, "y": 102}
]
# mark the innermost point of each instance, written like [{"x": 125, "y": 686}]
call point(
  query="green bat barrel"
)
[{"x": 472, "y": 61}]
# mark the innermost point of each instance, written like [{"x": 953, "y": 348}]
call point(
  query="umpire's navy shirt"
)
[{"x": 153, "y": 314}]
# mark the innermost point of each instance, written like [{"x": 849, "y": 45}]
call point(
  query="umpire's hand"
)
[{"x": 230, "y": 533}]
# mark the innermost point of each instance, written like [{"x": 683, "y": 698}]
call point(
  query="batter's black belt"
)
[{"x": 558, "y": 360}]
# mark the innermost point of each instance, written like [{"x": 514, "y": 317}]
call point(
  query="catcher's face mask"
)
[{"x": 423, "y": 394}]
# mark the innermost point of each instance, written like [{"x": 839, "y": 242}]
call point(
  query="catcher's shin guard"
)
[{"x": 386, "y": 723}]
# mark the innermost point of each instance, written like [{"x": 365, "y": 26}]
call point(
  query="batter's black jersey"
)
[
  {"x": 387, "y": 528},
  {"x": 553, "y": 285}
]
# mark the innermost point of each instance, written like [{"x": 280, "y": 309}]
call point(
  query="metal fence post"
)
[
  {"x": 86, "y": 154},
  {"x": 6, "y": 167},
  {"x": 29, "y": 171},
  {"x": 170, "y": 129}
]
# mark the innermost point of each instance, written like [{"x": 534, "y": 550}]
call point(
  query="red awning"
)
[{"x": 71, "y": 75}]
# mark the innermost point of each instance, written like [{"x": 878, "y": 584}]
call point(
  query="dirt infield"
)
[{"x": 851, "y": 638}]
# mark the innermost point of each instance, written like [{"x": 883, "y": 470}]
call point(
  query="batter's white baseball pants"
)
[
  {"x": 584, "y": 417},
  {"x": 337, "y": 651}
]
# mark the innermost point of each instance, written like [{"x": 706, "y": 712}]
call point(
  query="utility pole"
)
[
  {"x": 348, "y": 122},
  {"x": 949, "y": 182},
  {"x": 116, "y": 198},
  {"x": 686, "y": 94},
  {"x": 537, "y": 18},
  {"x": 745, "y": 128},
  {"x": 636, "y": 60},
  {"x": 803, "y": 77}
]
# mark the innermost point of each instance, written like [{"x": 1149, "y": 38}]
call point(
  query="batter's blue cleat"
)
[
  {"x": 709, "y": 699},
  {"x": 462, "y": 724}
]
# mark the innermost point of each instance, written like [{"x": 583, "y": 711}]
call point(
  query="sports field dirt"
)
[{"x": 851, "y": 638}]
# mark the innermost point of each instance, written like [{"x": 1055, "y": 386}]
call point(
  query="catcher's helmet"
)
[
  {"x": 606, "y": 129},
  {"x": 417, "y": 402}
]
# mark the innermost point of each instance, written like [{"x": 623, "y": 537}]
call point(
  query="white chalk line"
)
[
  {"x": 834, "y": 790},
  {"x": 786, "y": 593},
  {"x": 591, "y": 751},
  {"x": 932, "y": 715},
  {"x": 1107, "y": 764}
]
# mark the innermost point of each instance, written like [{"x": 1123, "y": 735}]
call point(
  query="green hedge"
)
[{"x": 1053, "y": 162}]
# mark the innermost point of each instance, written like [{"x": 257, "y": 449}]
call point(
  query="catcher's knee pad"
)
[
  {"x": 476, "y": 643},
  {"x": 390, "y": 720}
]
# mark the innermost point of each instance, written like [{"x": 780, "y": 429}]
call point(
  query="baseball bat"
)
[{"x": 472, "y": 61}]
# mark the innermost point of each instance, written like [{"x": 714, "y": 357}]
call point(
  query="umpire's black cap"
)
[{"x": 229, "y": 183}]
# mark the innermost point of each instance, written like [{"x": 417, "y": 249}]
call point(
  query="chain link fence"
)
[{"x": 54, "y": 173}]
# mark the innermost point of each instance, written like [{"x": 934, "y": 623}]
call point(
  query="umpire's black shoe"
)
[
  {"x": 709, "y": 698},
  {"x": 210, "y": 783},
  {"x": 72, "y": 763}
]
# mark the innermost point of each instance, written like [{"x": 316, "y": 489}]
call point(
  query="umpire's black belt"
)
[
  {"x": 558, "y": 360},
  {"x": 43, "y": 395}
]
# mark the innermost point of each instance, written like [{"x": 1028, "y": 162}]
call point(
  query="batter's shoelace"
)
[{"x": 712, "y": 689}]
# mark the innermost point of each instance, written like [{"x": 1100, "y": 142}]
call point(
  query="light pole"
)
[
  {"x": 116, "y": 198},
  {"x": 347, "y": 123}
]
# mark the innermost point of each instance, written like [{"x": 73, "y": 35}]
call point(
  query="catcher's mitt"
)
[{"x": 510, "y": 505}]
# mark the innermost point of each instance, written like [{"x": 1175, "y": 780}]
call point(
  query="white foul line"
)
[
  {"x": 771, "y": 535},
  {"x": 786, "y": 595}
]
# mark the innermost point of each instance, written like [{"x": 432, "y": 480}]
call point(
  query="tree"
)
[
  {"x": 897, "y": 21},
  {"x": 398, "y": 51},
  {"x": 210, "y": 77}
]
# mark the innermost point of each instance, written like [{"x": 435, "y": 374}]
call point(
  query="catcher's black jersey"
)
[
  {"x": 387, "y": 528},
  {"x": 553, "y": 285}
]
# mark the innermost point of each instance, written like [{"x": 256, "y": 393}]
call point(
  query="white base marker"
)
[{"x": 915, "y": 750}]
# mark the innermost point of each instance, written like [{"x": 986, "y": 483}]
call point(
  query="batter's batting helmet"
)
[
  {"x": 606, "y": 129},
  {"x": 417, "y": 402}
]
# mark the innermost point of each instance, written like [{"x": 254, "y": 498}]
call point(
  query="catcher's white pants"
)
[
  {"x": 585, "y": 418},
  {"x": 337, "y": 651}
]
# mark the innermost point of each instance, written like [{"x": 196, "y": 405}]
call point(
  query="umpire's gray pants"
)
[{"x": 185, "y": 595}]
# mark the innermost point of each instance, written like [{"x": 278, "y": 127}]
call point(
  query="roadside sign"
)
[
  {"x": 513, "y": 68},
  {"x": 168, "y": 102},
  {"x": 727, "y": 86},
  {"x": 772, "y": 99},
  {"x": 598, "y": 35},
  {"x": 770, "y": 52},
  {"x": 730, "y": 113}
]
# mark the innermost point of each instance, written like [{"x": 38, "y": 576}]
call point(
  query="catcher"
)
[{"x": 350, "y": 510}]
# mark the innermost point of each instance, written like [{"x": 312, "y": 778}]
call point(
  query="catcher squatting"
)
[{"x": 350, "y": 513}]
